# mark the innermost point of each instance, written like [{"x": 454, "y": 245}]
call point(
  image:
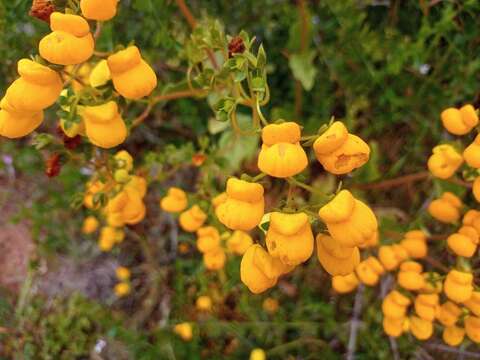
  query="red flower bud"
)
[
  {"x": 236, "y": 46},
  {"x": 41, "y": 9},
  {"x": 53, "y": 165}
]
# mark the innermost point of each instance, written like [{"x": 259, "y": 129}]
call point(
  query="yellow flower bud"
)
[
  {"x": 415, "y": 243},
  {"x": 103, "y": 124},
  {"x": 391, "y": 256},
  {"x": 395, "y": 305},
  {"x": 259, "y": 271},
  {"x": 349, "y": 221},
  {"x": 244, "y": 207},
  {"x": 458, "y": 286},
  {"x": 108, "y": 237},
  {"x": 369, "y": 271},
  {"x": 239, "y": 242},
  {"x": 282, "y": 155},
  {"x": 208, "y": 239},
  {"x": 420, "y": 328},
  {"x": 184, "y": 330},
  {"x": 132, "y": 77},
  {"x": 335, "y": 258},
  {"x": 446, "y": 209},
  {"x": 459, "y": 122},
  {"x": 126, "y": 207},
  {"x": 393, "y": 326},
  {"x": 464, "y": 243},
  {"x": 70, "y": 41},
  {"x": 453, "y": 335},
  {"x": 270, "y": 305},
  {"x": 192, "y": 219},
  {"x": 344, "y": 284},
  {"x": 121, "y": 176},
  {"x": 410, "y": 276},
  {"x": 90, "y": 225},
  {"x": 290, "y": 238},
  {"x": 472, "y": 328},
  {"x": 100, "y": 74},
  {"x": 100, "y": 10},
  {"x": 123, "y": 160},
  {"x": 448, "y": 313},
  {"x": 444, "y": 161},
  {"x": 258, "y": 354},
  {"x": 122, "y": 273},
  {"x": 426, "y": 305},
  {"x": 204, "y": 303},
  {"x": 175, "y": 201},
  {"x": 122, "y": 289},
  {"x": 215, "y": 259},
  {"x": 472, "y": 153}
]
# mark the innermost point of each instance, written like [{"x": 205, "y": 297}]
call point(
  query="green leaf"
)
[{"x": 303, "y": 68}]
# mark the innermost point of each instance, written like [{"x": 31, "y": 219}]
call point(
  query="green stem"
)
[
  {"x": 259, "y": 112},
  {"x": 258, "y": 177}
]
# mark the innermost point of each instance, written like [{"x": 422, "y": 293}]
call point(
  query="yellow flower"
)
[
  {"x": 132, "y": 77},
  {"x": 349, "y": 221},
  {"x": 473, "y": 303},
  {"x": 290, "y": 238},
  {"x": 37, "y": 88},
  {"x": 17, "y": 124},
  {"x": 270, "y": 305},
  {"x": 108, "y": 237},
  {"x": 104, "y": 125},
  {"x": 426, "y": 305},
  {"x": 208, "y": 239},
  {"x": 244, "y": 207},
  {"x": 219, "y": 199},
  {"x": 122, "y": 289},
  {"x": 204, "y": 303},
  {"x": 192, "y": 219},
  {"x": 395, "y": 305},
  {"x": 459, "y": 122},
  {"x": 92, "y": 188},
  {"x": 70, "y": 41},
  {"x": 472, "y": 328},
  {"x": 453, "y": 335},
  {"x": 371, "y": 242},
  {"x": 471, "y": 153},
  {"x": 101, "y": 10},
  {"x": 122, "y": 273},
  {"x": 139, "y": 184},
  {"x": 420, "y": 328},
  {"x": 410, "y": 276},
  {"x": 446, "y": 209},
  {"x": 100, "y": 74},
  {"x": 344, "y": 284},
  {"x": 282, "y": 155},
  {"x": 369, "y": 271},
  {"x": 340, "y": 152},
  {"x": 90, "y": 225},
  {"x": 175, "y": 201},
  {"x": 448, "y": 313},
  {"x": 476, "y": 188},
  {"x": 464, "y": 243},
  {"x": 184, "y": 330},
  {"x": 259, "y": 271},
  {"x": 458, "y": 285},
  {"x": 393, "y": 326},
  {"x": 239, "y": 242},
  {"x": 123, "y": 160},
  {"x": 215, "y": 259},
  {"x": 258, "y": 354},
  {"x": 472, "y": 218},
  {"x": 391, "y": 256},
  {"x": 126, "y": 207},
  {"x": 444, "y": 161},
  {"x": 335, "y": 258},
  {"x": 415, "y": 243}
]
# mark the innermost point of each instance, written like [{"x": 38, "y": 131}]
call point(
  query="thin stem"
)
[
  {"x": 259, "y": 112},
  {"x": 355, "y": 323},
  {"x": 308, "y": 188},
  {"x": 258, "y": 177}
]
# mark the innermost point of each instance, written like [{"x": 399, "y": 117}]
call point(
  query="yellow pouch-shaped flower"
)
[
  {"x": 420, "y": 328},
  {"x": 100, "y": 10},
  {"x": 126, "y": 207},
  {"x": 18, "y": 124},
  {"x": 344, "y": 284},
  {"x": 203, "y": 303},
  {"x": 472, "y": 328},
  {"x": 215, "y": 259},
  {"x": 349, "y": 221},
  {"x": 453, "y": 335},
  {"x": 458, "y": 286},
  {"x": 290, "y": 238},
  {"x": 391, "y": 256},
  {"x": 175, "y": 201},
  {"x": 208, "y": 239},
  {"x": 335, "y": 136},
  {"x": 369, "y": 271},
  {"x": 90, "y": 225},
  {"x": 132, "y": 77},
  {"x": 395, "y": 305},
  {"x": 426, "y": 306},
  {"x": 393, "y": 327},
  {"x": 444, "y": 161},
  {"x": 70, "y": 41},
  {"x": 415, "y": 243},
  {"x": 184, "y": 330},
  {"x": 410, "y": 276},
  {"x": 104, "y": 125},
  {"x": 472, "y": 218},
  {"x": 335, "y": 258},
  {"x": 244, "y": 207},
  {"x": 239, "y": 242},
  {"x": 37, "y": 88},
  {"x": 459, "y": 121},
  {"x": 282, "y": 155},
  {"x": 448, "y": 313},
  {"x": 472, "y": 153},
  {"x": 464, "y": 243},
  {"x": 192, "y": 219},
  {"x": 446, "y": 209},
  {"x": 473, "y": 303}
]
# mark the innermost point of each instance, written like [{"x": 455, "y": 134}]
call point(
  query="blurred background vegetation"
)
[{"x": 387, "y": 68}]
